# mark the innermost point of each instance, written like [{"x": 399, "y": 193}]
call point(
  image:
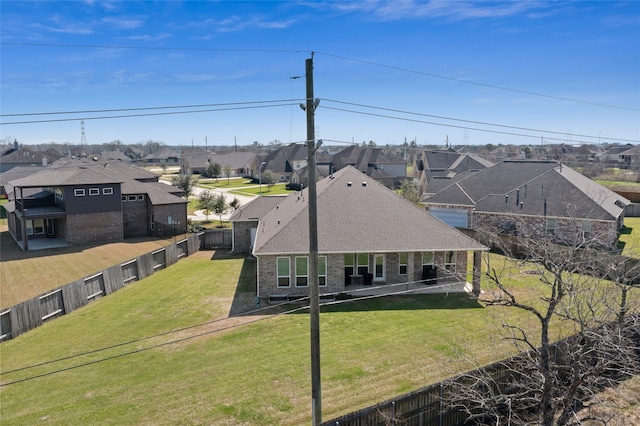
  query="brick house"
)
[
  {"x": 536, "y": 198},
  {"x": 367, "y": 236},
  {"x": 90, "y": 202}
]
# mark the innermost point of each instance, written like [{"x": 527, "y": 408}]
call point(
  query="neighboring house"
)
[
  {"x": 367, "y": 235},
  {"x": 17, "y": 156},
  {"x": 283, "y": 161},
  {"x": 629, "y": 158},
  {"x": 90, "y": 203},
  {"x": 167, "y": 156},
  {"x": 244, "y": 221},
  {"x": 300, "y": 176},
  {"x": 533, "y": 198},
  {"x": 430, "y": 164},
  {"x": 240, "y": 163},
  {"x": 377, "y": 163},
  {"x": 611, "y": 155}
]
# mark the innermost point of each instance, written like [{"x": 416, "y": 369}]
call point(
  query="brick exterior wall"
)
[
  {"x": 94, "y": 227},
  {"x": 177, "y": 212},
  {"x": 242, "y": 236},
  {"x": 136, "y": 218},
  {"x": 267, "y": 272},
  {"x": 605, "y": 233}
]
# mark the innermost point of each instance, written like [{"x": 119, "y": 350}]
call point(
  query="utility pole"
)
[{"x": 314, "y": 296}]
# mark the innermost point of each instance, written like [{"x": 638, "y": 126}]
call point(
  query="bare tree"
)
[
  {"x": 584, "y": 293},
  {"x": 226, "y": 169}
]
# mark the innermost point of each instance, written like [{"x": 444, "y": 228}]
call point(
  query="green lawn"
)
[
  {"x": 630, "y": 237},
  {"x": 227, "y": 372},
  {"x": 223, "y": 182},
  {"x": 277, "y": 189}
]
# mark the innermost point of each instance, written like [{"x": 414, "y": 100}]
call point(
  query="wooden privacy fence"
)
[
  {"x": 34, "y": 312},
  {"x": 217, "y": 239},
  {"x": 429, "y": 407}
]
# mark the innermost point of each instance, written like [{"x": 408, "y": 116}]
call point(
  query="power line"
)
[
  {"x": 141, "y": 115},
  {"x": 195, "y": 49},
  {"x": 479, "y": 122},
  {"x": 491, "y": 86},
  {"x": 459, "y": 127},
  {"x": 93, "y": 111}
]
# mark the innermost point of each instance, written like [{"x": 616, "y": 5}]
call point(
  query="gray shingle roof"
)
[
  {"x": 256, "y": 208},
  {"x": 526, "y": 187},
  {"x": 356, "y": 217}
]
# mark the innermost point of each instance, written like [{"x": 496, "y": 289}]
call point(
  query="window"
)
[
  {"x": 402, "y": 263},
  {"x": 131, "y": 198},
  {"x": 363, "y": 263},
  {"x": 586, "y": 230},
  {"x": 59, "y": 194},
  {"x": 551, "y": 226},
  {"x": 140, "y": 197},
  {"x": 283, "y": 271},
  {"x": 450, "y": 261},
  {"x": 29, "y": 227},
  {"x": 94, "y": 191},
  {"x": 107, "y": 191},
  {"x": 322, "y": 270},
  {"x": 427, "y": 258},
  {"x": 124, "y": 198},
  {"x": 78, "y": 192},
  {"x": 302, "y": 271}
]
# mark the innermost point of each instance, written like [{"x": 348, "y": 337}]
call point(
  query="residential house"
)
[
  {"x": 629, "y": 158},
  {"x": 92, "y": 202},
  {"x": 367, "y": 236},
  {"x": 377, "y": 163},
  {"x": 16, "y": 155},
  {"x": 532, "y": 198},
  {"x": 244, "y": 221},
  {"x": 167, "y": 156},
  {"x": 283, "y": 161},
  {"x": 430, "y": 164},
  {"x": 240, "y": 162}
]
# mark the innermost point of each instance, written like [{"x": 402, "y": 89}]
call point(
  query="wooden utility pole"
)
[{"x": 314, "y": 296}]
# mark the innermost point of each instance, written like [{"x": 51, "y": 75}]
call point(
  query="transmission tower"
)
[{"x": 83, "y": 136}]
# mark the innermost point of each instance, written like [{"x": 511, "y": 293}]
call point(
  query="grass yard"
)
[
  {"x": 230, "y": 370},
  {"x": 26, "y": 275},
  {"x": 630, "y": 237},
  {"x": 277, "y": 189},
  {"x": 224, "y": 183}
]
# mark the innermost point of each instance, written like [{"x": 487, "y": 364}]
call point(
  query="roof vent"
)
[
  {"x": 349, "y": 184},
  {"x": 364, "y": 183}
]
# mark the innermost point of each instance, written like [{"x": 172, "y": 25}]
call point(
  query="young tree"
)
[
  {"x": 268, "y": 178},
  {"x": 214, "y": 170},
  {"x": 206, "y": 202},
  {"x": 583, "y": 292},
  {"x": 235, "y": 203},
  {"x": 185, "y": 182},
  {"x": 227, "y": 171},
  {"x": 409, "y": 189},
  {"x": 219, "y": 204}
]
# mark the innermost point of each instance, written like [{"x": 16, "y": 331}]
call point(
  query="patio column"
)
[
  {"x": 477, "y": 273},
  {"x": 410, "y": 276}
]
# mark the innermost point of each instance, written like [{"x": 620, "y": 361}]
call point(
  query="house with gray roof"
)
[
  {"x": 244, "y": 221},
  {"x": 92, "y": 202},
  {"x": 432, "y": 164},
  {"x": 379, "y": 164},
  {"x": 368, "y": 237},
  {"x": 534, "y": 198}
]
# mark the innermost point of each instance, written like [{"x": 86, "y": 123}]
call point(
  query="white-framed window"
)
[
  {"x": 283, "y": 271},
  {"x": 124, "y": 198},
  {"x": 131, "y": 197},
  {"x": 363, "y": 263},
  {"x": 94, "y": 191},
  {"x": 450, "y": 261},
  {"x": 551, "y": 226},
  {"x": 29, "y": 227},
  {"x": 107, "y": 191},
  {"x": 79, "y": 192},
  {"x": 35, "y": 227},
  {"x": 140, "y": 197},
  {"x": 427, "y": 258},
  {"x": 402, "y": 263},
  {"x": 322, "y": 270},
  {"x": 302, "y": 271}
]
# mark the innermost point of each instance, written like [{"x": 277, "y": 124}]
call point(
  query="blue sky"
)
[{"x": 473, "y": 72}]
